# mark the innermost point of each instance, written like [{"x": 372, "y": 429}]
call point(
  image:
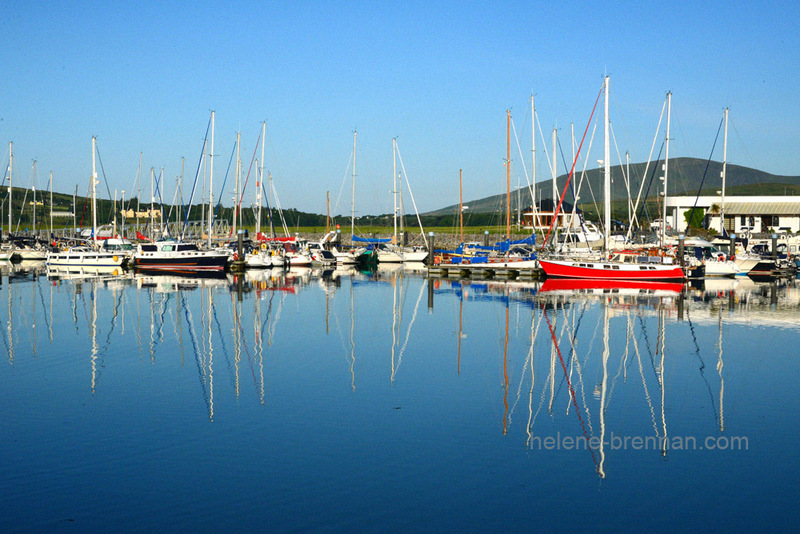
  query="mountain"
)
[{"x": 685, "y": 178}]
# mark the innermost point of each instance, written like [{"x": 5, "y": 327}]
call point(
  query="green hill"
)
[{"x": 685, "y": 178}]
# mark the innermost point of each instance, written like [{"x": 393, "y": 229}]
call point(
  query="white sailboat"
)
[
  {"x": 84, "y": 256},
  {"x": 394, "y": 252}
]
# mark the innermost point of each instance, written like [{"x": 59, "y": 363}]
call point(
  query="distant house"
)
[
  {"x": 742, "y": 214},
  {"x": 542, "y": 217},
  {"x": 133, "y": 214}
]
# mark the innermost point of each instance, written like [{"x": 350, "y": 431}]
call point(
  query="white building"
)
[{"x": 757, "y": 214}]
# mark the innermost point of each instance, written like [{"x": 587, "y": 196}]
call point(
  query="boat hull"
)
[
  {"x": 600, "y": 270},
  {"x": 181, "y": 264}
]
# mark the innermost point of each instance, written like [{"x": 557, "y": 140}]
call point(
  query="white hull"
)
[
  {"x": 721, "y": 268},
  {"x": 31, "y": 254},
  {"x": 746, "y": 264},
  {"x": 83, "y": 257},
  {"x": 389, "y": 256},
  {"x": 263, "y": 260},
  {"x": 415, "y": 256}
]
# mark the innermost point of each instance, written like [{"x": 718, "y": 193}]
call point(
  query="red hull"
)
[
  {"x": 565, "y": 284},
  {"x": 610, "y": 270}
]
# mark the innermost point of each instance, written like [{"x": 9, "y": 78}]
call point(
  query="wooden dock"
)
[{"x": 483, "y": 271}]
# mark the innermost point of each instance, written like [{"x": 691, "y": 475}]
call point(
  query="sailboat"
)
[
  {"x": 178, "y": 256},
  {"x": 607, "y": 268},
  {"x": 84, "y": 256},
  {"x": 394, "y": 252}
]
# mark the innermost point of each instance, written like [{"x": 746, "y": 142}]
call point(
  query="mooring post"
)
[
  {"x": 681, "y": 259},
  {"x": 775, "y": 248},
  {"x": 431, "y": 247},
  {"x": 486, "y": 238}
]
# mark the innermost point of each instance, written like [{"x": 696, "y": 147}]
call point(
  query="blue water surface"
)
[{"x": 347, "y": 401}]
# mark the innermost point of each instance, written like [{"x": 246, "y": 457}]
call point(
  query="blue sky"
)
[{"x": 143, "y": 77}]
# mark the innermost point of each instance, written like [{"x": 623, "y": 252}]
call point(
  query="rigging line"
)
[
  {"x": 243, "y": 343},
  {"x": 619, "y": 371},
  {"x": 269, "y": 208},
  {"x": 650, "y": 352},
  {"x": 644, "y": 381},
  {"x": 643, "y": 210},
  {"x": 41, "y": 295},
  {"x": 219, "y": 331},
  {"x": 522, "y": 160},
  {"x": 702, "y": 365},
  {"x": 705, "y": 173},
  {"x": 244, "y": 187},
  {"x": 224, "y": 181},
  {"x": 197, "y": 357},
  {"x": 103, "y": 171},
  {"x": 646, "y": 167},
  {"x": 741, "y": 141},
  {"x": 622, "y": 169},
  {"x": 564, "y": 162},
  {"x": 196, "y": 177},
  {"x": 344, "y": 180},
  {"x": 572, "y": 185},
  {"x": 544, "y": 146},
  {"x": 413, "y": 202},
  {"x": 571, "y": 389},
  {"x": 573, "y": 359},
  {"x": 569, "y": 178},
  {"x": 410, "y": 324}
]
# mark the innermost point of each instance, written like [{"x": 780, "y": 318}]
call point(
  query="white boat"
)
[
  {"x": 714, "y": 261},
  {"x": 84, "y": 256},
  {"x": 344, "y": 256},
  {"x": 320, "y": 256},
  {"x": 171, "y": 255},
  {"x": 264, "y": 257}
]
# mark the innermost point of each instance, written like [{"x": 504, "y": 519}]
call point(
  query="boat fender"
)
[
  {"x": 255, "y": 252},
  {"x": 437, "y": 260},
  {"x": 235, "y": 256},
  {"x": 115, "y": 259}
]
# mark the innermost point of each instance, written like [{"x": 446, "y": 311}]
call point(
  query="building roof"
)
[{"x": 762, "y": 208}]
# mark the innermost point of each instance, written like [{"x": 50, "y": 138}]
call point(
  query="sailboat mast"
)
[
  {"x": 353, "y": 197},
  {"x": 152, "y": 201},
  {"x": 10, "y": 173},
  {"x": 238, "y": 181},
  {"x": 51, "y": 202},
  {"x": 724, "y": 168},
  {"x": 34, "y": 198},
  {"x": 607, "y": 174},
  {"x": 555, "y": 174},
  {"x": 533, "y": 164},
  {"x": 461, "y": 204},
  {"x": 138, "y": 191},
  {"x": 666, "y": 171},
  {"x": 211, "y": 183},
  {"x": 508, "y": 174},
  {"x": 394, "y": 185},
  {"x": 261, "y": 176},
  {"x": 94, "y": 195}
]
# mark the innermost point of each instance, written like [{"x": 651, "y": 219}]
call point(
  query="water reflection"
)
[{"x": 598, "y": 361}]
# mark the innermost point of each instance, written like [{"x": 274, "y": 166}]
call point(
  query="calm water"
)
[{"x": 387, "y": 402}]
